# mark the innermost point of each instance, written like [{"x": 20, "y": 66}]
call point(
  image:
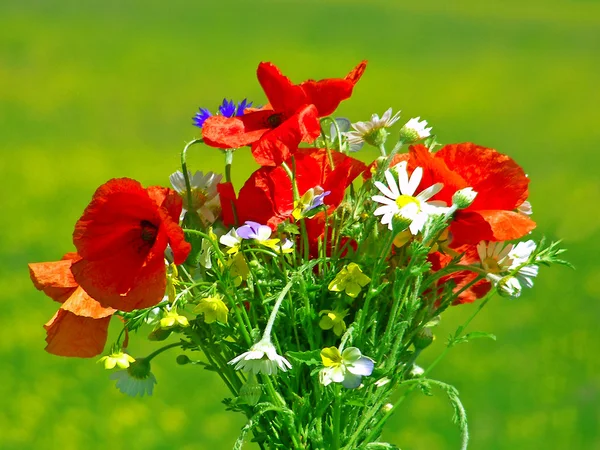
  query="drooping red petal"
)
[
  {"x": 238, "y": 131},
  {"x": 284, "y": 96},
  {"x": 277, "y": 145},
  {"x": 327, "y": 94},
  {"x": 499, "y": 181},
  {"x": 54, "y": 278},
  {"x": 71, "y": 335},
  {"x": 81, "y": 304}
]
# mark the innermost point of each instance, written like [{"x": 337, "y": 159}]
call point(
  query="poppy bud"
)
[{"x": 423, "y": 338}]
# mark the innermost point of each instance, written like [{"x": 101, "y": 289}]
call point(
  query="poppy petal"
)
[
  {"x": 54, "y": 278},
  {"x": 472, "y": 227},
  {"x": 327, "y": 94},
  {"x": 237, "y": 131},
  {"x": 71, "y": 335},
  {"x": 277, "y": 145},
  {"x": 283, "y": 95}
]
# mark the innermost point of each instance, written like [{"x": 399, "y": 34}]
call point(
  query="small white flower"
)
[
  {"x": 399, "y": 198},
  {"x": 261, "y": 358},
  {"x": 414, "y": 130},
  {"x": 136, "y": 380},
  {"x": 463, "y": 198},
  {"x": 525, "y": 208},
  {"x": 498, "y": 257},
  {"x": 368, "y": 131},
  {"x": 347, "y": 367},
  {"x": 205, "y": 198}
]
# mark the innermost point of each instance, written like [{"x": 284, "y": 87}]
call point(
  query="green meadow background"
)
[{"x": 95, "y": 90}]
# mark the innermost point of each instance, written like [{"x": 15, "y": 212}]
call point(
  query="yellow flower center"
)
[
  {"x": 491, "y": 265},
  {"x": 405, "y": 200}
]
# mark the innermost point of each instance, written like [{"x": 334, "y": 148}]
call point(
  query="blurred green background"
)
[{"x": 95, "y": 90}]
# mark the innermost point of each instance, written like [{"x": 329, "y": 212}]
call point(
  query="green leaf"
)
[
  {"x": 474, "y": 335},
  {"x": 381, "y": 446},
  {"x": 311, "y": 358}
]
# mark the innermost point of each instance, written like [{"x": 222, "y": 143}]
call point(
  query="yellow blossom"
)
[
  {"x": 238, "y": 268},
  {"x": 333, "y": 319},
  {"x": 173, "y": 319},
  {"x": 350, "y": 280},
  {"x": 119, "y": 359},
  {"x": 213, "y": 308}
]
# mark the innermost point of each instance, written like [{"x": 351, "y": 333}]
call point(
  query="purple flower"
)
[
  {"x": 254, "y": 230},
  {"x": 227, "y": 109},
  {"x": 318, "y": 200}
]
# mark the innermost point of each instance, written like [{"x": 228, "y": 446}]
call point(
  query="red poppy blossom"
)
[
  {"x": 267, "y": 196},
  {"x": 121, "y": 238},
  {"x": 80, "y": 326},
  {"x": 291, "y": 117},
  {"x": 500, "y": 183}
]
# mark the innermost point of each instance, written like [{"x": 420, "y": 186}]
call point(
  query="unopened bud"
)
[
  {"x": 423, "y": 338},
  {"x": 463, "y": 198},
  {"x": 160, "y": 334},
  {"x": 251, "y": 391},
  {"x": 376, "y": 137},
  {"x": 182, "y": 360},
  {"x": 400, "y": 223},
  {"x": 509, "y": 287},
  {"x": 414, "y": 130}
]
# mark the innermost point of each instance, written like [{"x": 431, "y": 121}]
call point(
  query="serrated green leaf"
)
[{"x": 310, "y": 358}]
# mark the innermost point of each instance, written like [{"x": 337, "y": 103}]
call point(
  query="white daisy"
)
[
  {"x": 498, "y": 258},
  {"x": 414, "y": 130},
  {"x": 370, "y": 131},
  {"x": 261, "y": 358},
  {"x": 399, "y": 198},
  {"x": 136, "y": 380},
  {"x": 205, "y": 198}
]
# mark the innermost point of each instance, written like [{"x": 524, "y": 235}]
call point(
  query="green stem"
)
[
  {"x": 184, "y": 169},
  {"x": 337, "y": 409},
  {"x": 162, "y": 349}
]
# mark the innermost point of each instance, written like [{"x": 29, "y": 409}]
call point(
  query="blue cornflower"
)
[{"x": 227, "y": 109}]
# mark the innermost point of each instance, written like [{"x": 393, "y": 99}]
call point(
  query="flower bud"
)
[
  {"x": 387, "y": 408},
  {"x": 251, "y": 391},
  {"x": 509, "y": 286},
  {"x": 414, "y": 130},
  {"x": 463, "y": 198},
  {"x": 376, "y": 137},
  {"x": 416, "y": 371},
  {"x": 423, "y": 338},
  {"x": 400, "y": 223},
  {"x": 182, "y": 360},
  {"x": 160, "y": 334}
]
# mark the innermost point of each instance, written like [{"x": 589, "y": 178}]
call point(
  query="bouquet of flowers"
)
[{"x": 312, "y": 290}]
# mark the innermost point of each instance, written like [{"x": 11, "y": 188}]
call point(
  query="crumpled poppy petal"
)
[
  {"x": 54, "y": 278},
  {"x": 499, "y": 181},
  {"x": 277, "y": 145},
  {"x": 283, "y": 95},
  {"x": 71, "y": 335},
  {"x": 472, "y": 227},
  {"x": 81, "y": 304},
  {"x": 327, "y": 94},
  {"x": 237, "y": 131}
]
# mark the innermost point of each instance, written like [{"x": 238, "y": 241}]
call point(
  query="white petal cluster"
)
[
  {"x": 362, "y": 130},
  {"x": 261, "y": 358},
  {"x": 205, "y": 198},
  {"x": 399, "y": 198}
]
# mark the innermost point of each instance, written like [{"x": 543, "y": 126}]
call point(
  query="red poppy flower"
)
[
  {"x": 80, "y": 326},
  {"x": 291, "y": 117},
  {"x": 267, "y": 196},
  {"x": 500, "y": 183},
  {"x": 122, "y": 237}
]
